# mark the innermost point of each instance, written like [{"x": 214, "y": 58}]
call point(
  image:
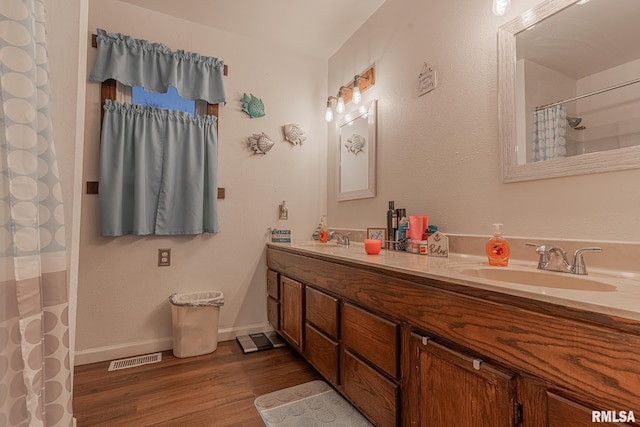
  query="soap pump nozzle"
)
[{"x": 496, "y": 232}]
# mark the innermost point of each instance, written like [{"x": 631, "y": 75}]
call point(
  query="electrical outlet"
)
[{"x": 164, "y": 257}]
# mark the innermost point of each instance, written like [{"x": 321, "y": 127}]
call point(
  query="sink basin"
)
[
  {"x": 314, "y": 244},
  {"x": 539, "y": 278},
  {"x": 330, "y": 247}
]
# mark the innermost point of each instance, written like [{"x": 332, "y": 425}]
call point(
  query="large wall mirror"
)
[
  {"x": 569, "y": 89},
  {"x": 357, "y": 153}
]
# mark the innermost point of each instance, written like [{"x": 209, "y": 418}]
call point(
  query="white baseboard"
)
[{"x": 130, "y": 349}]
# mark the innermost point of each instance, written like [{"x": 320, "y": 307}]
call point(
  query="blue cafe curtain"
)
[
  {"x": 157, "y": 172},
  {"x": 136, "y": 62}
]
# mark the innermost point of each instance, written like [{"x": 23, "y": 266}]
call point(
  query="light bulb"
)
[
  {"x": 357, "y": 97},
  {"x": 340, "y": 105},
  {"x": 500, "y": 7},
  {"x": 328, "y": 115}
]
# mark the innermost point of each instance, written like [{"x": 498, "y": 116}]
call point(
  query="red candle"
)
[{"x": 372, "y": 246}]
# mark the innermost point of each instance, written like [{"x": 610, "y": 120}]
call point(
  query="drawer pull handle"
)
[{"x": 476, "y": 364}]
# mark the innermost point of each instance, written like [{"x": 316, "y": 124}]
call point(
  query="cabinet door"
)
[
  {"x": 454, "y": 389},
  {"x": 291, "y": 311}
]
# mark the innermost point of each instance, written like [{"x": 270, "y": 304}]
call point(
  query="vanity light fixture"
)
[
  {"x": 357, "y": 96},
  {"x": 328, "y": 114},
  {"x": 500, "y": 7},
  {"x": 340, "y": 103},
  {"x": 359, "y": 84}
]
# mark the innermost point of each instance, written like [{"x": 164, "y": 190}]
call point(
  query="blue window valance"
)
[
  {"x": 137, "y": 62},
  {"x": 157, "y": 172}
]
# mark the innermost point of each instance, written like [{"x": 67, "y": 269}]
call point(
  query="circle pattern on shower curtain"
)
[{"x": 27, "y": 166}]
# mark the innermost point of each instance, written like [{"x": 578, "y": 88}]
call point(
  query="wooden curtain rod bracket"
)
[
  {"x": 94, "y": 43},
  {"x": 93, "y": 188}
]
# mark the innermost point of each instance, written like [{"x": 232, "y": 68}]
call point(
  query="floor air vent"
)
[{"x": 135, "y": 361}]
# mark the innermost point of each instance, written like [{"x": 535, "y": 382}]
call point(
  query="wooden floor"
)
[{"x": 217, "y": 389}]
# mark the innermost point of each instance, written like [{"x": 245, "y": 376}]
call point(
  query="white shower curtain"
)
[
  {"x": 35, "y": 380},
  {"x": 549, "y": 133}
]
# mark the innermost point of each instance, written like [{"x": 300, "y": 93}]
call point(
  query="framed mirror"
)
[
  {"x": 357, "y": 153},
  {"x": 569, "y": 89}
]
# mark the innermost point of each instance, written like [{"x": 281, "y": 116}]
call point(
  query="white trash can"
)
[{"x": 195, "y": 318}]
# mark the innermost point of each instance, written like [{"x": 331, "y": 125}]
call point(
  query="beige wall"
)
[
  {"x": 66, "y": 19},
  {"x": 122, "y": 296},
  {"x": 438, "y": 154}
]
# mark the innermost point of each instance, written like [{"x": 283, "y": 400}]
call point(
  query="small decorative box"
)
[
  {"x": 437, "y": 245},
  {"x": 281, "y": 236}
]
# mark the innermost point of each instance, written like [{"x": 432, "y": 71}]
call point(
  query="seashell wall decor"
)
[
  {"x": 355, "y": 144},
  {"x": 260, "y": 143},
  {"x": 253, "y": 106},
  {"x": 294, "y": 134}
]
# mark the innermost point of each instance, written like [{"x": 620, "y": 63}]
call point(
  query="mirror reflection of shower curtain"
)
[{"x": 549, "y": 133}]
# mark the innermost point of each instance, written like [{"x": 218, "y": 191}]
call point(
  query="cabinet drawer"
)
[
  {"x": 322, "y": 311},
  {"x": 272, "y": 284},
  {"x": 567, "y": 413},
  {"x": 371, "y": 337},
  {"x": 273, "y": 312},
  {"x": 323, "y": 353},
  {"x": 372, "y": 393}
]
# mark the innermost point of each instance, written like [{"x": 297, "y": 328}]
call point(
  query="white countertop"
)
[{"x": 623, "y": 302}]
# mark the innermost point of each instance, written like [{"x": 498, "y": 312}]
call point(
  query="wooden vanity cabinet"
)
[{"x": 412, "y": 351}]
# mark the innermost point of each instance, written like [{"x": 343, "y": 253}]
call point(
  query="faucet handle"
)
[
  {"x": 540, "y": 249},
  {"x": 543, "y": 251},
  {"x": 547, "y": 249},
  {"x": 577, "y": 264}
]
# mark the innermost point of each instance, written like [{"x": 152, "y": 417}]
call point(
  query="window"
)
[{"x": 170, "y": 100}]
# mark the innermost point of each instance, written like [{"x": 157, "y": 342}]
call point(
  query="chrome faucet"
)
[
  {"x": 553, "y": 258},
  {"x": 342, "y": 239}
]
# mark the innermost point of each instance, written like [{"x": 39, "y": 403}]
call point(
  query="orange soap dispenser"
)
[
  {"x": 323, "y": 234},
  {"x": 497, "y": 248}
]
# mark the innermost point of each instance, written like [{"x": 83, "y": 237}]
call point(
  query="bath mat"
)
[
  {"x": 261, "y": 341},
  {"x": 307, "y": 405}
]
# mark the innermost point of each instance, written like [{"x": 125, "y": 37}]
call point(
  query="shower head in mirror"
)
[{"x": 574, "y": 121}]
